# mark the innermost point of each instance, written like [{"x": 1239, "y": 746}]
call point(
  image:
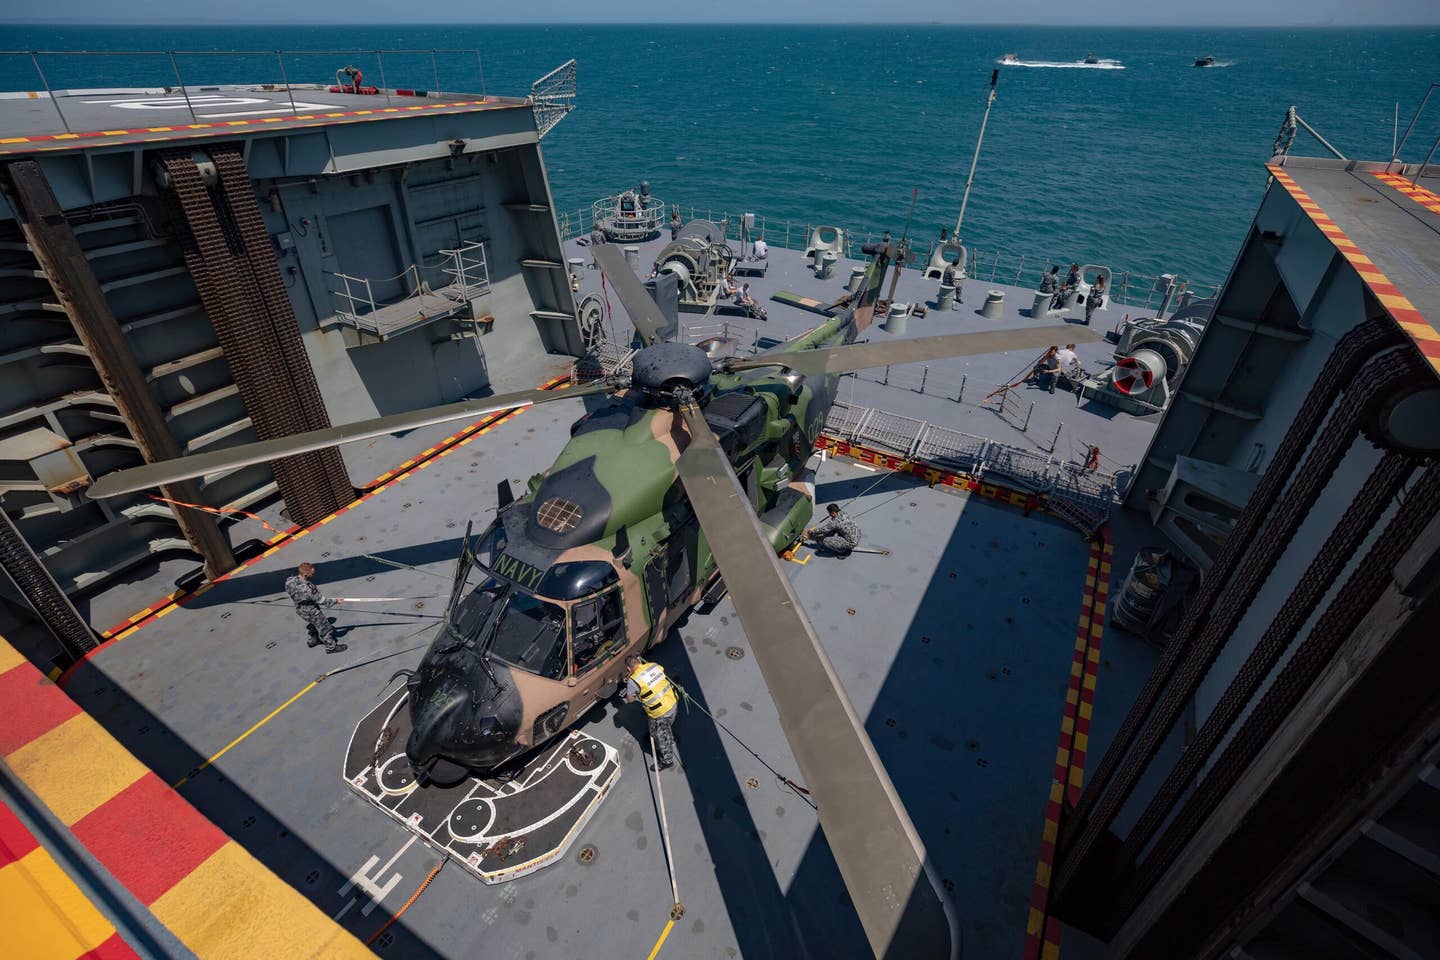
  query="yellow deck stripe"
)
[
  {"x": 75, "y": 767},
  {"x": 44, "y": 914},
  {"x": 233, "y": 743},
  {"x": 655, "y": 951},
  {"x": 233, "y": 908}
]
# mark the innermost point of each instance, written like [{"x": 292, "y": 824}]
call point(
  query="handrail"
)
[
  {"x": 1126, "y": 286},
  {"x": 279, "y": 56}
]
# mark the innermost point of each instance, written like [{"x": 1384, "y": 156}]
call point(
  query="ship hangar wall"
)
[
  {"x": 1258, "y": 381},
  {"x": 431, "y": 181}
]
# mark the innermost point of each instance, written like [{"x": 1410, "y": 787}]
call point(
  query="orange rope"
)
[
  {"x": 413, "y": 897},
  {"x": 218, "y": 511}
]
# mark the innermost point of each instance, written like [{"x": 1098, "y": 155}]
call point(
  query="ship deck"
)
[
  {"x": 959, "y": 649},
  {"x": 66, "y": 119}
]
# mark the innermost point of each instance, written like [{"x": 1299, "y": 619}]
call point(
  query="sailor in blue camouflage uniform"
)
[
  {"x": 837, "y": 532},
  {"x": 310, "y": 605}
]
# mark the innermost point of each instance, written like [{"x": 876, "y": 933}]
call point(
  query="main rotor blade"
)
[
  {"x": 644, "y": 311},
  {"x": 246, "y": 454},
  {"x": 880, "y": 856},
  {"x": 858, "y": 356}
]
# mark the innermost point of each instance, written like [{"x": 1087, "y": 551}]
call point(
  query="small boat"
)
[
  {"x": 1009, "y": 58},
  {"x": 1205, "y": 61},
  {"x": 1091, "y": 59}
]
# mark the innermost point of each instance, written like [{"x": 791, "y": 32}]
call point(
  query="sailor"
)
[
  {"x": 646, "y": 682},
  {"x": 746, "y": 300},
  {"x": 1094, "y": 298},
  {"x": 761, "y": 250},
  {"x": 1047, "y": 370},
  {"x": 675, "y": 224},
  {"x": 1050, "y": 282},
  {"x": 729, "y": 290},
  {"x": 1071, "y": 284},
  {"x": 309, "y": 604},
  {"x": 837, "y": 532},
  {"x": 597, "y": 236},
  {"x": 1070, "y": 366}
]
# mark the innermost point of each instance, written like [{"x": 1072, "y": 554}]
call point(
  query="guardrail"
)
[
  {"x": 1127, "y": 287},
  {"x": 1096, "y": 492},
  {"x": 239, "y": 67},
  {"x": 463, "y": 272}
]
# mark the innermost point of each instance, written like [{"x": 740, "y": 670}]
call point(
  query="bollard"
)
[
  {"x": 1026, "y": 427},
  {"x": 632, "y": 257},
  {"x": 1056, "y": 440},
  {"x": 994, "y": 307},
  {"x": 827, "y": 265},
  {"x": 857, "y": 277},
  {"x": 1041, "y": 307},
  {"x": 924, "y": 374},
  {"x": 945, "y": 299}
]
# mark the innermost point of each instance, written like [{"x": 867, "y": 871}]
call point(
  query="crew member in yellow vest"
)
[{"x": 647, "y": 683}]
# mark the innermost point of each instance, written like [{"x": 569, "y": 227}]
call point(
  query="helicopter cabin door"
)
[{"x": 670, "y": 574}]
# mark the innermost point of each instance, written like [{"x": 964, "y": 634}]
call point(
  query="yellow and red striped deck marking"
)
[
  {"x": 931, "y": 474},
  {"x": 1042, "y": 931},
  {"x": 44, "y": 914},
  {"x": 205, "y": 888},
  {"x": 182, "y": 131},
  {"x": 283, "y": 539},
  {"x": 1420, "y": 195},
  {"x": 1422, "y": 332}
]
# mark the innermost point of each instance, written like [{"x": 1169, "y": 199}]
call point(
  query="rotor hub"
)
[{"x": 666, "y": 366}]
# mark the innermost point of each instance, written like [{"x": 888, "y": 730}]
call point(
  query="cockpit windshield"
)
[
  {"x": 531, "y": 635},
  {"x": 505, "y": 621}
]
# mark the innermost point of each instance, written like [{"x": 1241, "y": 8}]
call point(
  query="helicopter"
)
[{"x": 686, "y": 485}]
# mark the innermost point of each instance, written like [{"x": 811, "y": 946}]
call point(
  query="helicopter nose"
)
[{"x": 449, "y": 725}]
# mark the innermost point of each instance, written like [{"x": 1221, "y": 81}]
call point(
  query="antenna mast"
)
[{"x": 989, "y": 102}]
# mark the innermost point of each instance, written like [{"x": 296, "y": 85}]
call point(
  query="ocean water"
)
[{"x": 1144, "y": 163}]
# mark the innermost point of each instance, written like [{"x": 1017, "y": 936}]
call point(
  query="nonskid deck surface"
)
[
  {"x": 956, "y": 648},
  {"x": 107, "y": 116},
  {"x": 929, "y": 391}
]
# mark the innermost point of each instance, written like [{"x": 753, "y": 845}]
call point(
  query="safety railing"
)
[
  {"x": 406, "y": 73},
  {"x": 1128, "y": 288},
  {"x": 1095, "y": 491},
  {"x": 461, "y": 276},
  {"x": 553, "y": 96},
  {"x": 643, "y": 219}
]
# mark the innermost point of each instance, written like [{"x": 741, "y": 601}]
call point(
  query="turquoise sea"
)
[{"x": 1147, "y": 165}]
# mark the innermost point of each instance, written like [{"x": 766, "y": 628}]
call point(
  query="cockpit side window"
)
[
  {"x": 598, "y": 629},
  {"x": 531, "y": 635}
]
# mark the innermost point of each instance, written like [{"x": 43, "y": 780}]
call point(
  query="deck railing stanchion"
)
[
  {"x": 1055, "y": 440},
  {"x": 924, "y": 375},
  {"x": 50, "y": 93},
  {"x": 279, "y": 59},
  {"x": 480, "y": 66},
  {"x": 384, "y": 87},
  {"x": 435, "y": 70},
  {"x": 183, "y": 92},
  {"x": 886, "y": 381},
  {"x": 1026, "y": 427},
  {"x": 960, "y": 397}
]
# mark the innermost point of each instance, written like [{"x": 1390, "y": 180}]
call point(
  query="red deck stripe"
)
[
  {"x": 149, "y": 837},
  {"x": 112, "y": 949},
  {"x": 15, "y": 840},
  {"x": 32, "y": 707}
]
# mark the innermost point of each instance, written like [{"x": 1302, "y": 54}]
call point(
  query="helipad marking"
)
[{"x": 297, "y": 121}]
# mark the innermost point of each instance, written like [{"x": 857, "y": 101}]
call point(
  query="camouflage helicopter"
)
[{"x": 686, "y": 485}]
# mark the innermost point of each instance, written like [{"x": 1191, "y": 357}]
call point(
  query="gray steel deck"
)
[
  {"x": 957, "y": 649},
  {"x": 90, "y": 117}
]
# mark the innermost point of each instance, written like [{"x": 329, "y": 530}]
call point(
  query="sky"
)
[{"x": 1211, "y": 13}]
